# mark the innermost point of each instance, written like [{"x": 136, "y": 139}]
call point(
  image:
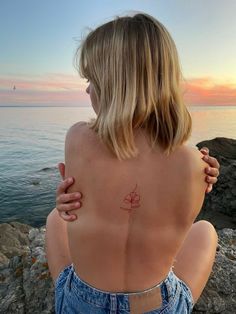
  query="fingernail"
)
[
  {"x": 206, "y": 157},
  {"x": 78, "y": 195},
  {"x": 70, "y": 180},
  {"x": 77, "y": 204},
  {"x": 208, "y": 179},
  {"x": 208, "y": 170}
]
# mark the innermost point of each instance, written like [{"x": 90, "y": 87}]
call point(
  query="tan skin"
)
[
  {"x": 192, "y": 256},
  {"x": 66, "y": 202}
]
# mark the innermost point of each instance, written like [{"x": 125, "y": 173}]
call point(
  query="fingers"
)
[
  {"x": 209, "y": 188},
  {"x": 213, "y": 172},
  {"x": 212, "y": 162},
  {"x": 65, "y": 198},
  {"x": 211, "y": 180},
  {"x": 67, "y": 202},
  {"x": 68, "y": 207},
  {"x": 63, "y": 186},
  {"x": 61, "y": 168},
  {"x": 64, "y": 209},
  {"x": 204, "y": 151},
  {"x": 67, "y": 217}
]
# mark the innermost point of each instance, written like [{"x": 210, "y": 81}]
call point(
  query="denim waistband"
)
[{"x": 115, "y": 300}]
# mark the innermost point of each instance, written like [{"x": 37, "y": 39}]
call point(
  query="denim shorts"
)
[{"x": 73, "y": 295}]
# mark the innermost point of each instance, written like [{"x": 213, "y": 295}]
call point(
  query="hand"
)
[
  {"x": 212, "y": 171},
  {"x": 66, "y": 201}
]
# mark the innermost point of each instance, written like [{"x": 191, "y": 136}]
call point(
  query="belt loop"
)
[
  {"x": 169, "y": 288},
  {"x": 69, "y": 279},
  {"x": 113, "y": 303}
]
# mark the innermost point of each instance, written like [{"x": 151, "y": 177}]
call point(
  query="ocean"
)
[{"x": 32, "y": 144}]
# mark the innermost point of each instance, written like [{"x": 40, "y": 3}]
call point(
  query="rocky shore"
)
[
  {"x": 26, "y": 285},
  {"x": 220, "y": 205}
]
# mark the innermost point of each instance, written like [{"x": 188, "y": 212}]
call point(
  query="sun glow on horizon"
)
[{"x": 56, "y": 89}]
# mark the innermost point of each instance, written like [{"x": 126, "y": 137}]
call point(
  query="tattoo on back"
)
[{"x": 131, "y": 201}]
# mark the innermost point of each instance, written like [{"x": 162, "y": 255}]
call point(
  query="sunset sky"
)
[{"x": 38, "y": 42}]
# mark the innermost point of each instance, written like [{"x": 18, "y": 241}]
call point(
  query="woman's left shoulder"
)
[
  {"x": 77, "y": 131},
  {"x": 78, "y": 127}
]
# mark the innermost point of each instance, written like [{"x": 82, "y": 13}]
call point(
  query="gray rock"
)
[
  {"x": 219, "y": 295},
  {"x": 25, "y": 282},
  {"x": 13, "y": 239},
  {"x": 221, "y": 146},
  {"x": 26, "y": 285},
  {"x": 220, "y": 205}
]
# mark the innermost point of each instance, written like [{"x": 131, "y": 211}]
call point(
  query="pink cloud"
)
[
  {"x": 205, "y": 91},
  {"x": 65, "y": 89},
  {"x": 47, "y": 82},
  {"x": 53, "y": 89}
]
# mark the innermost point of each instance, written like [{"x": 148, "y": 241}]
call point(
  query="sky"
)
[{"x": 38, "y": 40}]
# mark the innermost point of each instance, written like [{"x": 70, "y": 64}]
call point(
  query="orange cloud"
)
[
  {"x": 206, "y": 91},
  {"x": 63, "y": 89},
  {"x": 52, "y": 89}
]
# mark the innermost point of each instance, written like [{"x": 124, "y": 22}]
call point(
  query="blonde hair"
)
[{"x": 134, "y": 67}]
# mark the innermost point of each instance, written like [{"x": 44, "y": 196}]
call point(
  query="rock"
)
[
  {"x": 221, "y": 146},
  {"x": 26, "y": 285},
  {"x": 13, "y": 239},
  {"x": 25, "y": 282},
  {"x": 219, "y": 295},
  {"x": 220, "y": 205}
]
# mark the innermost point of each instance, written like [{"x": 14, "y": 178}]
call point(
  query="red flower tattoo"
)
[{"x": 132, "y": 200}]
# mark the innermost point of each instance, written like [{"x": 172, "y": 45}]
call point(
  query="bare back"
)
[{"x": 136, "y": 213}]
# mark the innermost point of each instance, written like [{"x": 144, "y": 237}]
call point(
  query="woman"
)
[{"x": 134, "y": 247}]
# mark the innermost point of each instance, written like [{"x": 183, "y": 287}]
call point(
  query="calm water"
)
[{"x": 32, "y": 143}]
